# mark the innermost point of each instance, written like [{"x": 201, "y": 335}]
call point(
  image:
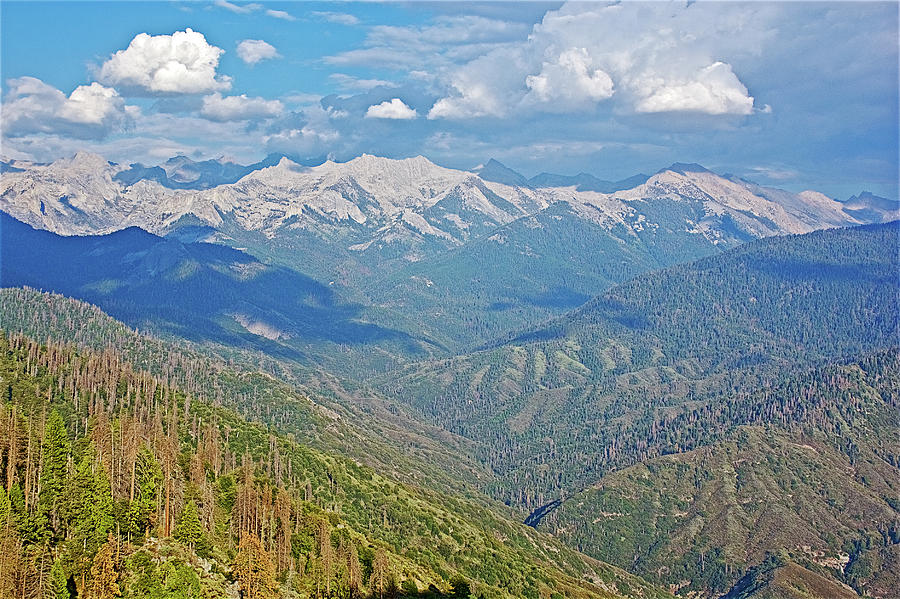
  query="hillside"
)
[
  {"x": 784, "y": 579},
  {"x": 813, "y": 474},
  {"x": 315, "y": 408},
  {"x": 141, "y": 488},
  {"x": 554, "y": 408},
  {"x": 202, "y": 292}
]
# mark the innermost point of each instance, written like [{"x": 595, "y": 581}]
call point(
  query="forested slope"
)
[
  {"x": 808, "y": 467},
  {"x": 314, "y": 407},
  {"x": 656, "y": 365},
  {"x": 116, "y": 483}
]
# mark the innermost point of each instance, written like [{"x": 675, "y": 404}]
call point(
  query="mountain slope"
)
[
  {"x": 784, "y": 579},
  {"x": 604, "y": 386},
  {"x": 199, "y": 291},
  {"x": 701, "y": 518},
  {"x": 197, "y": 489},
  {"x": 400, "y": 237},
  {"x": 315, "y": 408}
]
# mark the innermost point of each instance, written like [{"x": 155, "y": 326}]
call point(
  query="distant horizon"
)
[{"x": 312, "y": 162}]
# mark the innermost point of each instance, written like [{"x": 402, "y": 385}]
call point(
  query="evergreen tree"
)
[
  {"x": 189, "y": 530},
  {"x": 148, "y": 476},
  {"x": 459, "y": 588},
  {"x": 103, "y": 516},
  {"x": 378, "y": 581},
  {"x": 58, "y": 583},
  {"x": 354, "y": 572},
  {"x": 254, "y": 570},
  {"x": 54, "y": 457},
  {"x": 5, "y": 511},
  {"x": 103, "y": 572}
]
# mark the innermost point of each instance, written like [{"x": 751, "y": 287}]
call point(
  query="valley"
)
[{"x": 677, "y": 384}]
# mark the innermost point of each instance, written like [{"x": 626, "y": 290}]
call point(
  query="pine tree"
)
[
  {"x": 189, "y": 530},
  {"x": 141, "y": 514},
  {"x": 10, "y": 562},
  {"x": 326, "y": 555},
  {"x": 459, "y": 588},
  {"x": 104, "y": 520},
  {"x": 5, "y": 511},
  {"x": 378, "y": 581},
  {"x": 103, "y": 572},
  {"x": 58, "y": 584},
  {"x": 54, "y": 457},
  {"x": 354, "y": 570},
  {"x": 254, "y": 570}
]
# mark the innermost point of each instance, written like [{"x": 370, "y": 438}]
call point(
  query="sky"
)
[{"x": 798, "y": 95}]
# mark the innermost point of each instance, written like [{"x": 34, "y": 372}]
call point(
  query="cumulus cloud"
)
[
  {"x": 306, "y": 133},
  {"x": 253, "y": 51},
  {"x": 393, "y": 109},
  {"x": 239, "y": 108},
  {"x": 713, "y": 90},
  {"x": 341, "y": 18},
  {"x": 569, "y": 79},
  {"x": 635, "y": 57},
  {"x": 89, "y": 112},
  {"x": 181, "y": 63},
  {"x": 483, "y": 87}
]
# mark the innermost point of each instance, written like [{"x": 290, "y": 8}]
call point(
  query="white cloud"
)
[
  {"x": 393, "y": 109},
  {"x": 309, "y": 132},
  {"x": 253, "y": 51},
  {"x": 89, "y": 112},
  {"x": 635, "y": 57},
  {"x": 348, "y": 82},
  {"x": 713, "y": 90},
  {"x": 483, "y": 87},
  {"x": 569, "y": 79},
  {"x": 383, "y": 57},
  {"x": 241, "y": 9},
  {"x": 444, "y": 43},
  {"x": 302, "y": 99},
  {"x": 447, "y": 30},
  {"x": 181, "y": 63},
  {"x": 245, "y": 9},
  {"x": 340, "y": 18},
  {"x": 280, "y": 14},
  {"x": 239, "y": 108}
]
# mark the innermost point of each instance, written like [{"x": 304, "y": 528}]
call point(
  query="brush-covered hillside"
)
[
  {"x": 813, "y": 475},
  {"x": 662, "y": 363}
]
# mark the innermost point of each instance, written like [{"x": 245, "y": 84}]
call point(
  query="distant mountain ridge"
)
[
  {"x": 425, "y": 246},
  {"x": 199, "y": 291},
  {"x": 154, "y": 198}
]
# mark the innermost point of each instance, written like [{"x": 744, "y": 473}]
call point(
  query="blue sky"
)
[{"x": 799, "y": 95}]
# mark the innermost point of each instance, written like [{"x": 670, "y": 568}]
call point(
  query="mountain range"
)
[
  {"x": 682, "y": 383},
  {"x": 451, "y": 258}
]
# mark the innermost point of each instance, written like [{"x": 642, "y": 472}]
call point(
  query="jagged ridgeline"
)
[
  {"x": 365, "y": 265},
  {"x": 117, "y": 483}
]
